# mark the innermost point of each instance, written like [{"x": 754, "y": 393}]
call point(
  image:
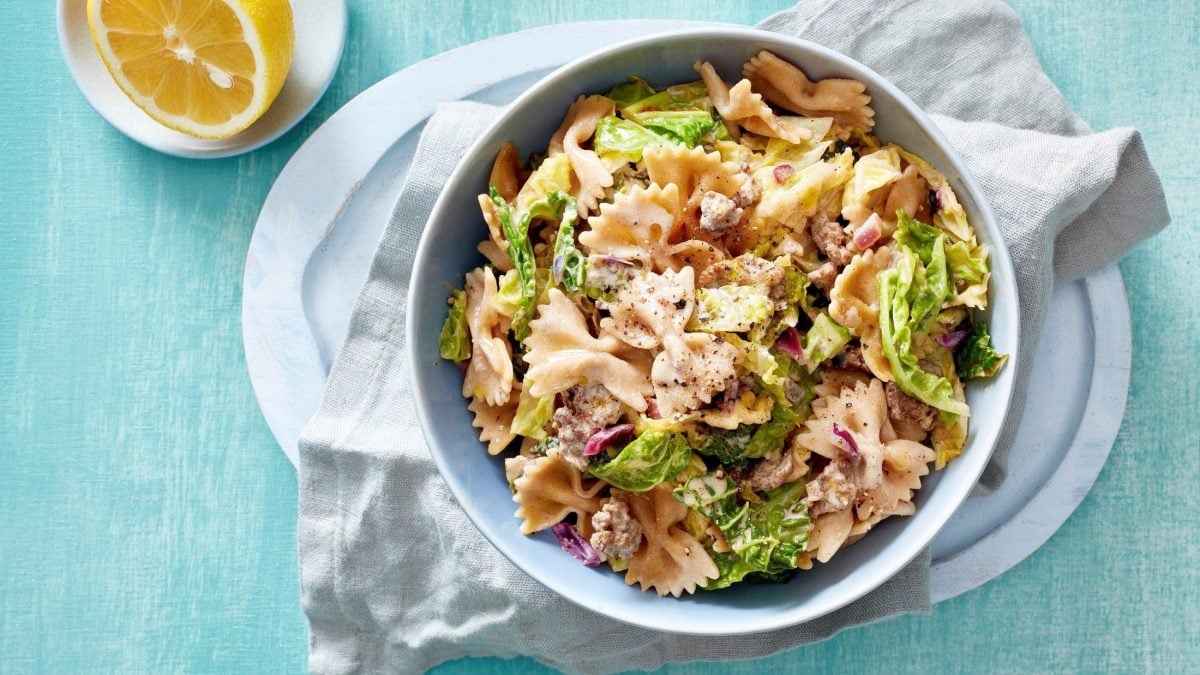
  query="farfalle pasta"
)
[
  {"x": 671, "y": 560},
  {"x": 494, "y": 422},
  {"x": 590, "y": 174},
  {"x": 649, "y": 307},
  {"x": 637, "y": 226},
  {"x": 741, "y": 106},
  {"x": 783, "y": 84},
  {"x": 692, "y": 171},
  {"x": 718, "y": 331},
  {"x": 548, "y": 490},
  {"x": 562, "y": 354},
  {"x": 489, "y": 374},
  {"x": 854, "y": 303}
]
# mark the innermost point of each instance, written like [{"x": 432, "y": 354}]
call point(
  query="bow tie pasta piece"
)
[
  {"x": 637, "y": 226},
  {"x": 747, "y": 109},
  {"x": 578, "y": 126},
  {"x": 669, "y": 560},
  {"x": 690, "y": 369},
  {"x": 829, "y": 533},
  {"x": 650, "y": 306},
  {"x": 562, "y": 353},
  {"x": 548, "y": 490},
  {"x": 854, "y": 303},
  {"x": 489, "y": 375},
  {"x": 861, "y": 411},
  {"x": 785, "y": 85},
  {"x": 506, "y": 172},
  {"x": 910, "y": 194},
  {"x": 880, "y": 481},
  {"x": 905, "y": 463},
  {"x": 495, "y": 247},
  {"x": 693, "y": 171},
  {"x": 495, "y": 421}
]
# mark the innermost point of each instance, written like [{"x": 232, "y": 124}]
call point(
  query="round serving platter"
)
[{"x": 317, "y": 232}]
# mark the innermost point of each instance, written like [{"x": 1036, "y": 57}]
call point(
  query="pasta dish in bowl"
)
[{"x": 715, "y": 330}]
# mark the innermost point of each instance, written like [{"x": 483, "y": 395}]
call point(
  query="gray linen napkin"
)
[{"x": 396, "y": 578}]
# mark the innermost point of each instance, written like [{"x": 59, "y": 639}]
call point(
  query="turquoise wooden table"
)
[{"x": 147, "y": 519}]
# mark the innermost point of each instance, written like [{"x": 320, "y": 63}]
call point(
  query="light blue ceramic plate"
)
[{"x": 447, "y": 251}]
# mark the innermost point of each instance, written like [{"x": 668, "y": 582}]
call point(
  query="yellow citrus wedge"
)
[{"x": 208, "y": 68}]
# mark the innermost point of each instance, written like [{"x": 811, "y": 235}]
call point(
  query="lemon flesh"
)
[{"x": 207, "y": 68}]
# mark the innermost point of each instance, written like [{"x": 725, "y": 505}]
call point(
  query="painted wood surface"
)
[{"x": 147, "y": 520}]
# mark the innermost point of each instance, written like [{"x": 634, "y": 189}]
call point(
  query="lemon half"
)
[{"x": 207, "y": 68}]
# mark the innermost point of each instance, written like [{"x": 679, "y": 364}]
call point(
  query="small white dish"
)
[{"x": 320, "y": 35}]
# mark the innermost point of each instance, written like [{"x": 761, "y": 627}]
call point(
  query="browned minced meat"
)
[
  {"x": 824, "y": 276},
  {"x": 617, "y": 534},
  {"x": 718, "y": 213},
  {"x": 772, "y": 472},
  {"x": 747, "y": 194},
  {"x": 851, "y": 357},
  {"x": 902, "y": 407},
  {"x": 831, "y": 490},
  {"x": 744, "y": 270},
  {"x": 831, "y": 240},
  {"x": 844, "y": 378},
  {"x": 586, "y": 409}
]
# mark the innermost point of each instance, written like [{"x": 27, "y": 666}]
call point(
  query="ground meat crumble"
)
[
  {"x": 831, "y": 240},
  {"x": 718, "y": 213},
  {"x": 617, "y": 534},
  {"x": 744, "y": 270},
  {"x": 586, "y": 409},
  {"x": 772, "y": 472},
  {"x": 748, "y": 194},
  {"x": 831, "y": 490},
  {"x": 824, "y": 276},
  {"x": 851, "y": 357},
  {"x": 902, "y": 407}
]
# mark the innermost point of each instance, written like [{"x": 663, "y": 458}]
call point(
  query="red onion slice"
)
[
  {"x": 845, "y": 442},
  {"x": 613, "y": 260},
  {"x": 782, "y": 173},
  {"x": 557, "y": 268},
  {"x": 572, "y": 542},
  {"x": 606, "y": 438},
  {"x": 941, "y": 197},
  {"x": 868, "y": 233},
  {"x": 730, "y": 396},
  {"x": 652, "y": 409},
  {"x": 789, "y": 343},
  {"x": 952, "y": 340}
]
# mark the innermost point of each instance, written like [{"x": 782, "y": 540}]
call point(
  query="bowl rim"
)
[{"x": 902, "y": 550}]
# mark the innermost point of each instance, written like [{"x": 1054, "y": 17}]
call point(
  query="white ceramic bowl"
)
[{"x": 447, "y": 252}]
